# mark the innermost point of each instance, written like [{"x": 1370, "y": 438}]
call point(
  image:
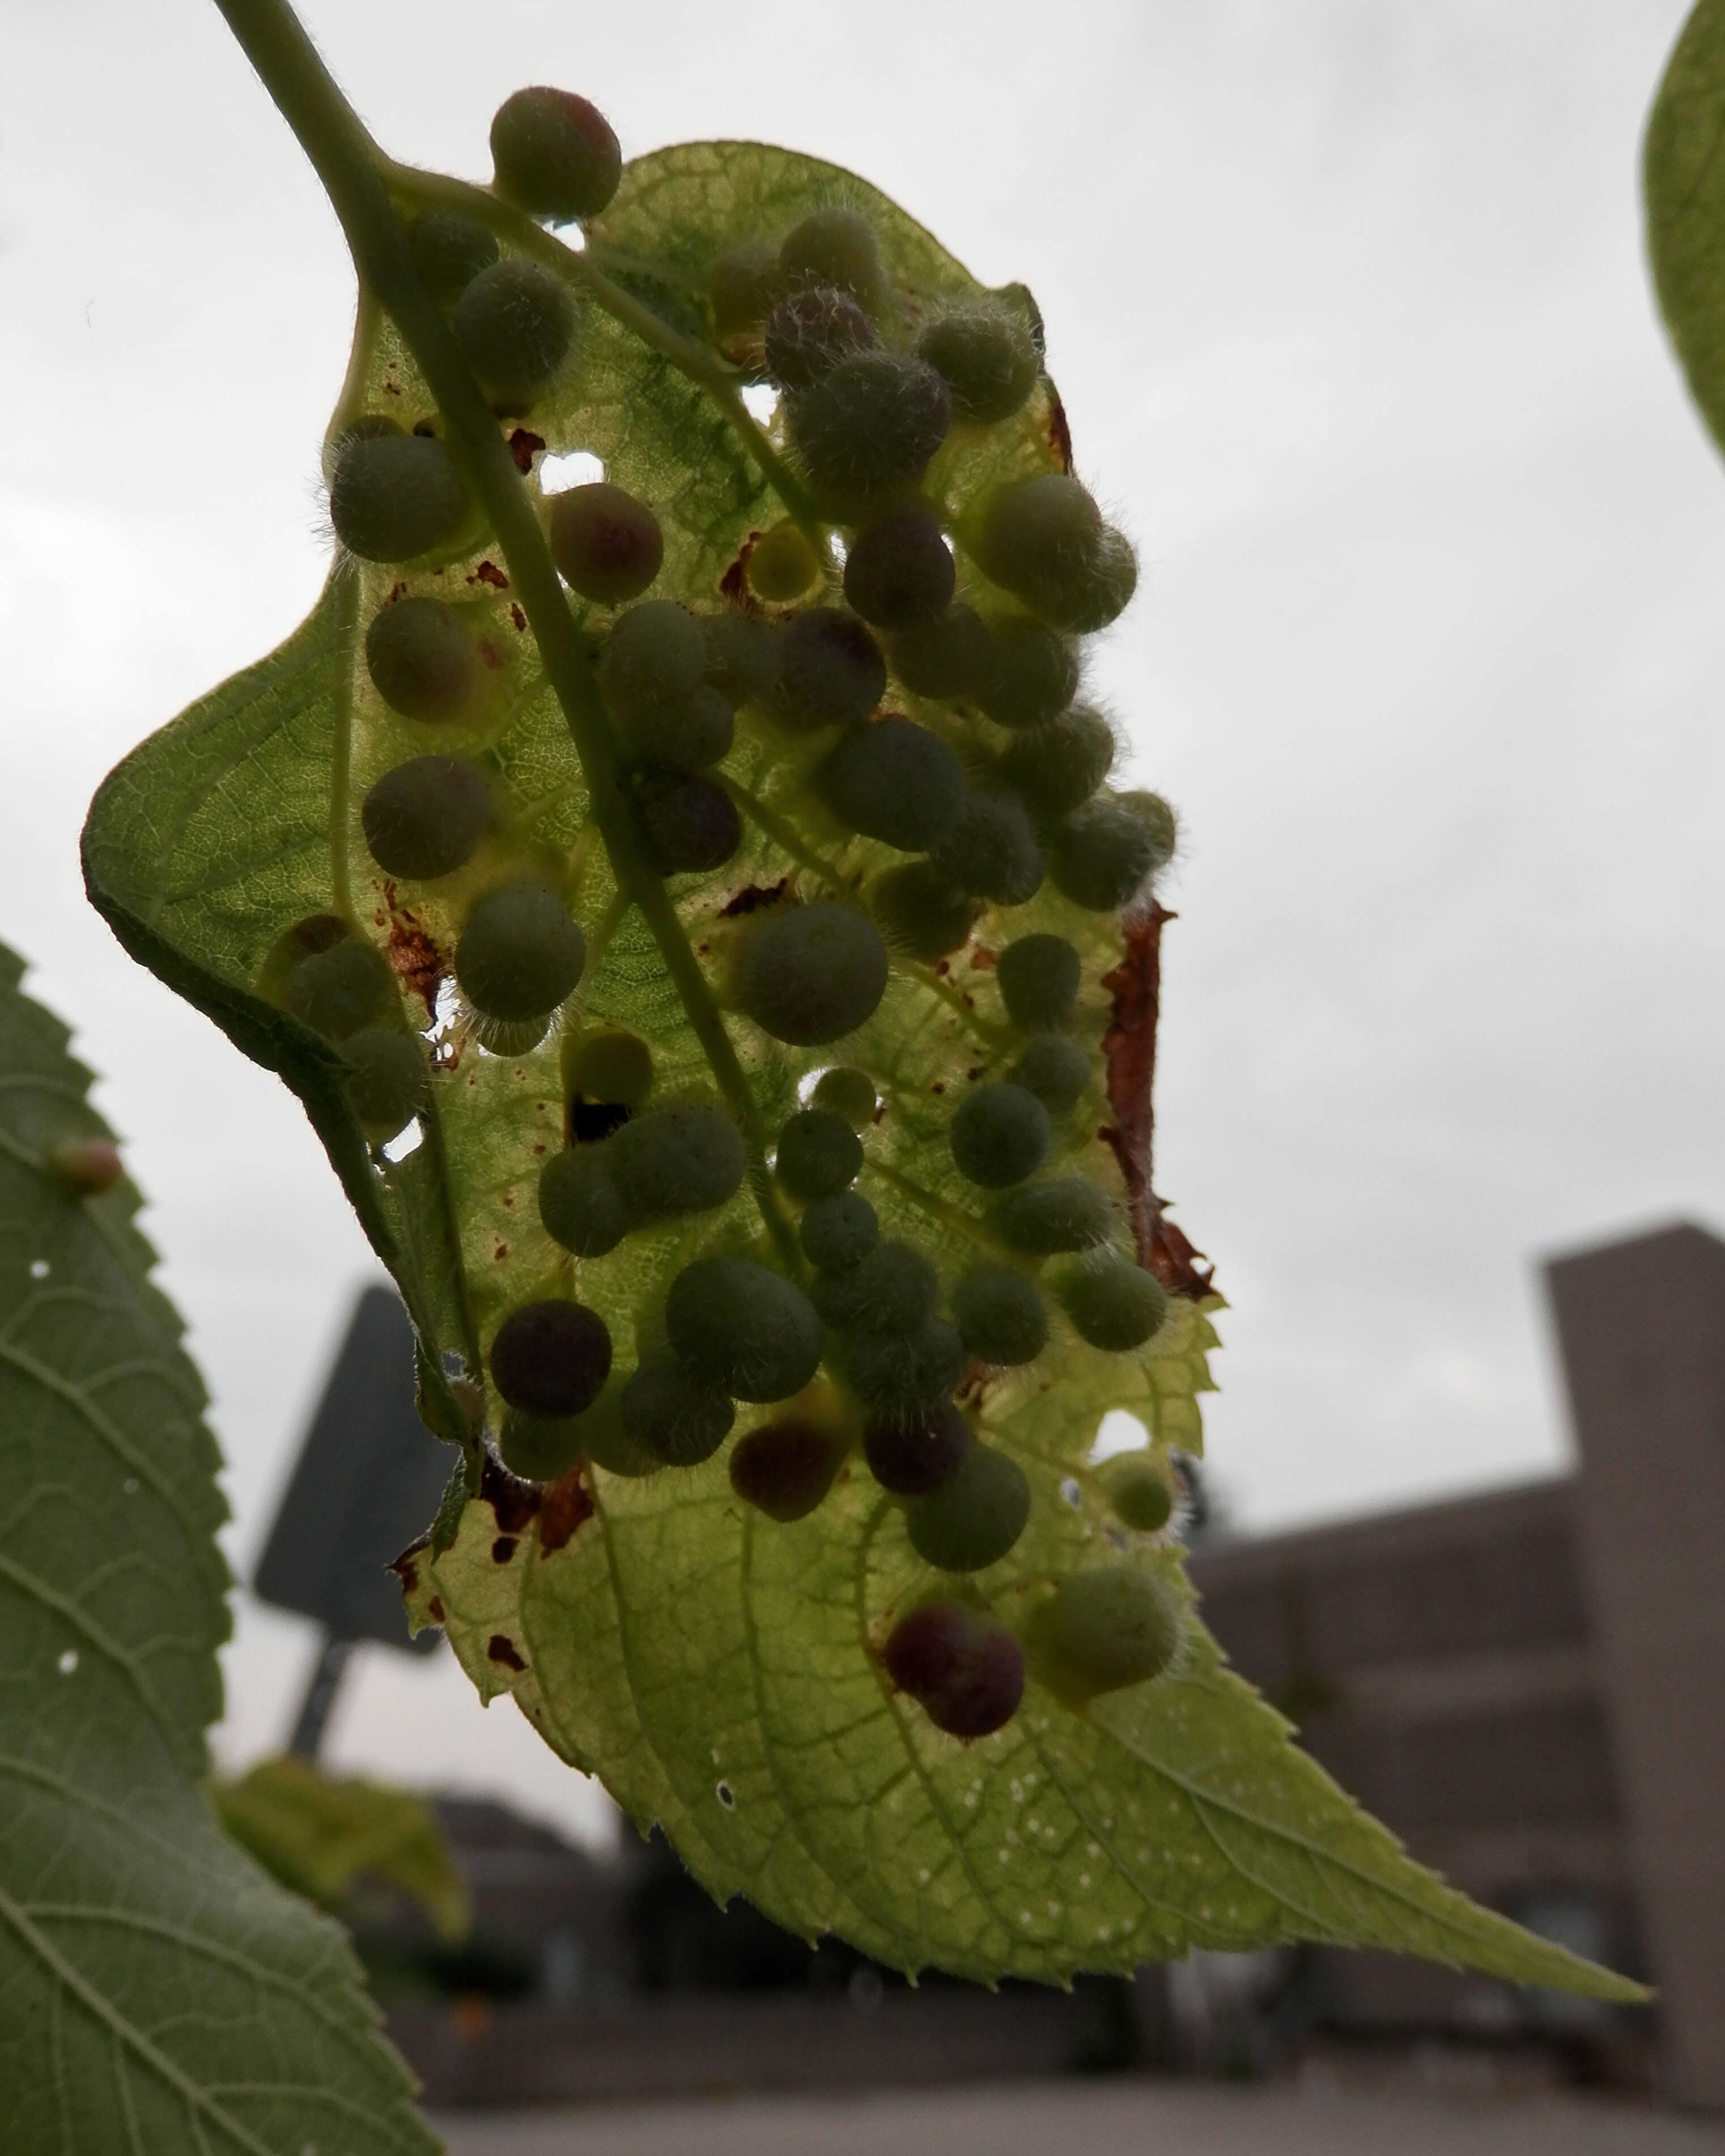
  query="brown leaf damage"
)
[{"x": 1129, "y": 1051}]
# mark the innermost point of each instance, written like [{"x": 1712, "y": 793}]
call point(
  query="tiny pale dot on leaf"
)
[
  {"x": 38, "y": 1268},
  {"x": 67, "y": 1662}
]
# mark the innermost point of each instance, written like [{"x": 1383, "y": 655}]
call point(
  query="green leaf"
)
[
  {"x": 157, "y": 1993},
  {"x": 318, "y": 1836},
  {"x": 1684, "y": 177},
  {"x": 707, "y": 1665},
  {"x": 721, "y": 1673}
]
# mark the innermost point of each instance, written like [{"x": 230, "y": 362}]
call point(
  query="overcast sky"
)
[{"x": 1346, "y": 302}]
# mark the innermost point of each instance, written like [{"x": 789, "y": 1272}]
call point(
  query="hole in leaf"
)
[
  {"x": 1120, "y": 1432},
  {"x": 580, "y": 468},
  {"x": 760, "y": 400},
  {"x": 405, "y": 1141},
  {"x": 591, "y": 1121},
  {"x": 726, "y": 1796}
]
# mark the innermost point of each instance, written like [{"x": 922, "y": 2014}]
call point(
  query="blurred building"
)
[{"x": 1528, "y": 1686}]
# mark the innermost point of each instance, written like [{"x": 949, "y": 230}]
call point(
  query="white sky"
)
[{"x": 1345, "y": 300}]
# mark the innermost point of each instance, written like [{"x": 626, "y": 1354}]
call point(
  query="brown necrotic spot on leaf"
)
[
  {"x": 414, "y": 956},
  {"x": 436, "y": 1607},
  {"x": 567, "y": 1503},
  {"x": 498, "y": 1649},
  {"x": 734, "y": 584},
  {"x": 752, "y": 897},
  {"x": 503, "y": 1549},
  {"x": 524, "y": 446},
  {"x": 1129, "y": 1052},
  {"x": 406, "y": 1566},
  {"x": 1059, "y": 433},
  {"x": 488, "y": 573},
  {"x": 513, "y": 1503},
  {"x": 517, "y": 616}
]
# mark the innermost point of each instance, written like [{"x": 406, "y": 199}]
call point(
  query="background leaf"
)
[
  {"x": 1684, "y": 179},
  {"x": 157, "y": 1993},
  {"x": 318, "y": 1835}
]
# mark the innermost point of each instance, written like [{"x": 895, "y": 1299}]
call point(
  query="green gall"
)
[
  {"x": 921, "y": 912},
  {"x": 836, "y": 248},
  {"x": 896, "y": 782},
  {"x": 678, "y": 1420},
  {"x": 837, "y": 1233},
  {"x": 1030, "y": 674},
  {"x": 450, "y": 250},
  {"x": 520, "y": 954},
  {"x": 999, "y": 1315},
  {"x": 1044, "y": 541},
  {"x": 872, "y": 421},
  {"x": 1141, "y": 1490},
  {"x": 733, "y": 1324},
  {"x": 991, "y": 851},
  {"x": 608, "y": 546},
  {"x": 899, "y": 574},
  {"x": 554, "y": 154},
  {"x": 1104, "y": 1629},
  {"x": 1057, "y": 1070},
  {"x": 963, "y": 1666},
  {"x": 903, "y": 1373},
  {"x": 1101, "y": 856},
  {"x": 913, "y": 1455},
  {"x": 809, "y": 974},
  {"x": 744, "y": 282},
  {"x": 893, "y": 1290},
  {"x": 946, "y": 657},
  {"x": 425, "y": 819},
  {"x": 830, "y": 669},
  {"x": 394, "y": 496},
  {"x": 337, "y": 991},
  {"x": 1056, "y": 768},
  {"x": 809, "y": 332},
  {"x": 782, "y": 564},
  {"x": 690, "y": 823},
  {"x": 1065, "y": 1213},
  {"x": 1112, "y": 1303},
  {"x": 819, "y": 1154},
  {"x": 976, "y": 1517},
  {"x": 668, "y": 1162},
  {"x": 85, "y": 1167},
  {"x": 848, "y": 1092},
  {"x": 388, "y": 1082},
  {"x": 609, "y": 1063},
  {"x": 742, "y": 656},
  {"x": 580, "y": 1205},
  {"x": 515, "y": 324},
  {"x": 551, "y": 1358},
  {"x": 539, "y": 1448},
  {"x": 984, "y": 354},
  {"x": 1037, "y": 977},
  {"x": 787, "y": 1468},
  {"x": 422, "y": 660},
  {"x": 999, "y": 1135}
]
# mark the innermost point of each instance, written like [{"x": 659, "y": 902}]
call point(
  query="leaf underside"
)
[
  {"x": 718, "y": 1672},
  {"x": 157, "y": 1992}
]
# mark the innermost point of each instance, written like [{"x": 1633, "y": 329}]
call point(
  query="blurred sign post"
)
[{"x": 367, "y": 1481}]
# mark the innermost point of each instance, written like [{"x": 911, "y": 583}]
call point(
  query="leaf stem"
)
[
  {"x": 774, "y": 826},
  {"x": 354, "y": 173}
]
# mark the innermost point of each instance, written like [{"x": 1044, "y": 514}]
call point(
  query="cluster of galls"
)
[{"x": 869, "y": 398}]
